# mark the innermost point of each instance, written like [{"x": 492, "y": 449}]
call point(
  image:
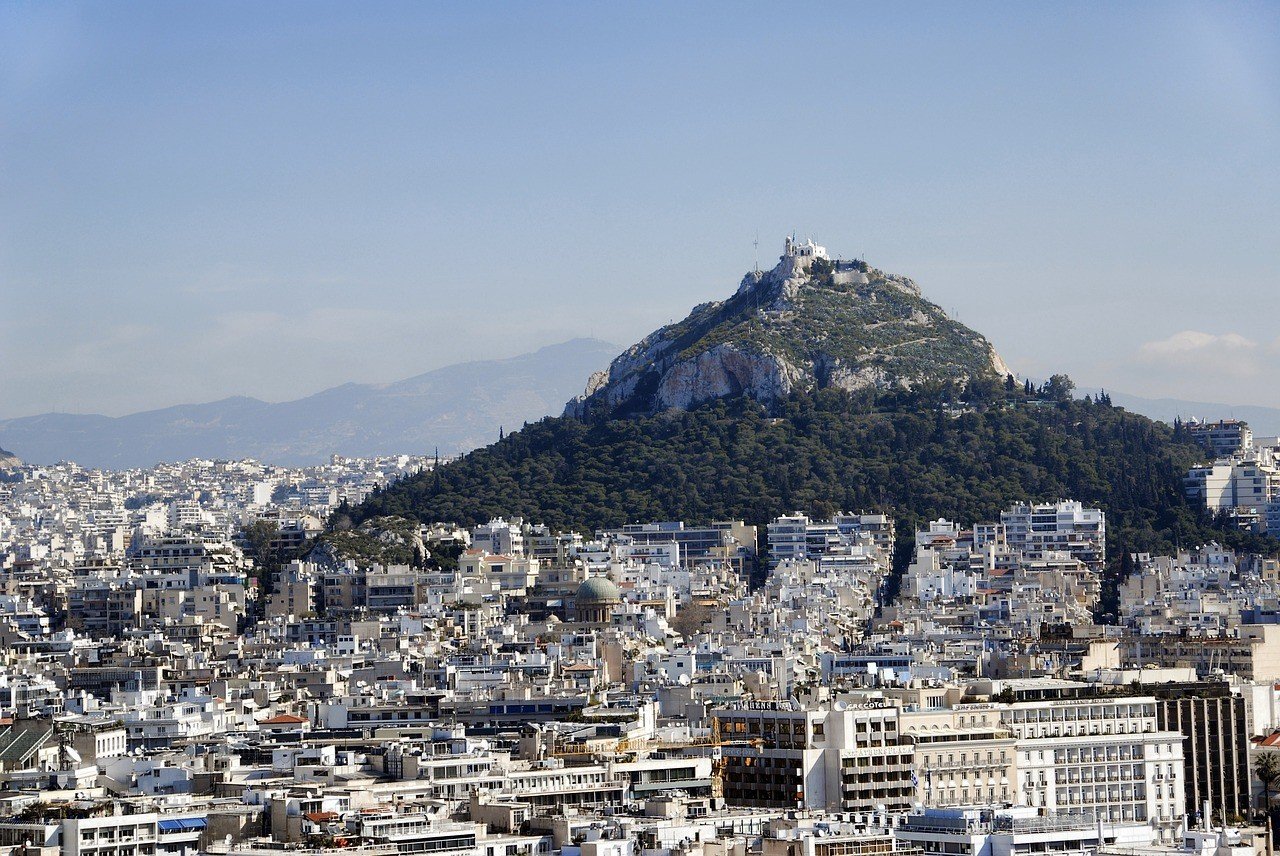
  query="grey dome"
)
[{"x": 598, "y": 590}]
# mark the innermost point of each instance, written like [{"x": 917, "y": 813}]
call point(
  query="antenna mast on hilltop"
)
[{"x": 756, "y": 244}]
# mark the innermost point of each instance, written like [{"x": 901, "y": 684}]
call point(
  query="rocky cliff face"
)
[
  {"x": 811, "y": 322},
  {"x": 9, "y": 459},
  {"x": 385, "y": 541}
]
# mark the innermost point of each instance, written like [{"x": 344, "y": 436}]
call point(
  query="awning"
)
[{"x": 183, "y": 825}]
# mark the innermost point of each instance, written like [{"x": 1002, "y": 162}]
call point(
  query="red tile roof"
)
[{"x": 284, "y": 719}]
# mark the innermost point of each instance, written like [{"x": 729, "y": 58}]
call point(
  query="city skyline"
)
[{"x": 427, "y": 456}]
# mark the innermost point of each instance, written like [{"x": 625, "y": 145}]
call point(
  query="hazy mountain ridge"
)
[
  {"x": 809, "y": 323},
  {"x": 454, "y": 408},
  {"x": 1265, "y": 421}
]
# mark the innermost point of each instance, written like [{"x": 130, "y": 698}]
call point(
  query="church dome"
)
[{"x": 598, "y": 590}]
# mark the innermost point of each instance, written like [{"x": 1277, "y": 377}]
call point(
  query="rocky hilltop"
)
[
  {"x": 9, "y": 459},
  {"x": 811, "y": 322}
]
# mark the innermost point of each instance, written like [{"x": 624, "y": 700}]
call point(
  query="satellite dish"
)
[
  {"x": 684, "y": 680},
  {"x": 841, "y": 705}
]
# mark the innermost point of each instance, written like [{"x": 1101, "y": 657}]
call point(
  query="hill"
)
[
  {"x": 887, "y": 404},
  {"x": 454, "y": 408},
  {"x": 9, "y": 459},
  {"x": 909, "y": 453},
  {"x": 812, "y": 322}
]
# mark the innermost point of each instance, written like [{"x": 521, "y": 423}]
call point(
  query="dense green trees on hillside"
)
[{"x": 915, "y": 455}]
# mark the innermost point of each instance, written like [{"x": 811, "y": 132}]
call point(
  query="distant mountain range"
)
[{"x": 455, "y": 409}]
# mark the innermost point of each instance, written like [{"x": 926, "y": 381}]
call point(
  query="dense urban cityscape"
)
[
  {"x": 659, "y": 429},
  {"x": 197, "y": 662}
]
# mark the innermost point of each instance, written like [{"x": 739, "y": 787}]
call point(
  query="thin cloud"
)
[
  {"x": 1193, "y": 342},
  {"x": 1193, "y": 353}
]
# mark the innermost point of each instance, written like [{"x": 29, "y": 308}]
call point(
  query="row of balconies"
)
[
  {"x": 966, "y": 765},
  {"x": 102, "y": 843},
  {"x": 767, "y": 779},
  {"x": 964, "y": 783},
  {"x": 870, "y": 778},
  {"x": 1125, "y": 755},
  {"x": 1082, "y": 714},
  {"x": 1074, "y": 799},
  {"x": 107, "y": 837},
  {"x": 864, "y": 801},
  {"x": 1111, "y": 777}
]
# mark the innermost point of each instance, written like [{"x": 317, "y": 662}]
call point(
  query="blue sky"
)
[{"x": 268, "y": 199}]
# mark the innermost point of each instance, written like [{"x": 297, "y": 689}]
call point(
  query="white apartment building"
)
[
  {"x": 187, "y": 513},
  {"x": 1105, "y": 757},
  {"x": 499, "y": 537},
  {"x": 1222, "y": 438},
  {"x": 185, "y": 561},
  {"x": 1065, "y": 526},
  {"x": 796, "y": 537},
  {"x": 116, "y": 835},
  {"x": 1211, "y": 484},
  {"x": 1232, "y": 483},
  {"x": 964, "y": 756},
  {"x": 158, "y": 725},
  {"x": 1254, "y": 484}
]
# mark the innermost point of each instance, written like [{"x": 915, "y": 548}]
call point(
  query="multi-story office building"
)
[
  {"x": 1252, "y": 652},
  {"x": 844, "y": 758},
  {"x": 1216, "y": 765}
]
